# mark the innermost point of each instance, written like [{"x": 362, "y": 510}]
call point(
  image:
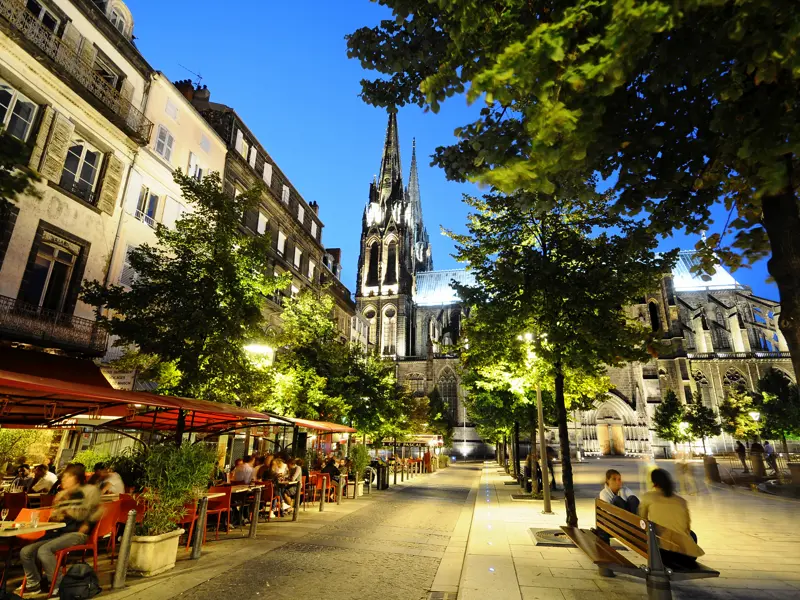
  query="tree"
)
[
  {"x": 564, "y": 279},
  {"x": 13, "y": 180},
  {"x": 679, "y": 105},
  {"x": 198, "y": 295},
  {"x": 702, "y": 421},
  {"x": 735, "y": 413},
  {"x": 28, "y": 444},
  {"x": 779, "y": 406},
  {"x": 669, "y": 419}
]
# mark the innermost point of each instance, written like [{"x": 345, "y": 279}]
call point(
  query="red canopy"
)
[
  {"x": 321, "y": 425},
  {"x": 33, "y": 401}
]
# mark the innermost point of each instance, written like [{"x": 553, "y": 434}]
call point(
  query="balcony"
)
[
  {"x": 29, "y": 323},
  {"x": 67, "y": 61},
  {"x": 737, "y": 355}
]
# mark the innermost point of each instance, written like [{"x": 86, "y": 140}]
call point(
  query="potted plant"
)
[
  {"x": 359, "y": 459},
  {"x": 172, "y": 477}
]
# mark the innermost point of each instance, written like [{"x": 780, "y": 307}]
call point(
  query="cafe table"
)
[{"x": 11, "y": 532}]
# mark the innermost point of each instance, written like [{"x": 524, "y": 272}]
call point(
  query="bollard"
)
[
  {"x": 395, "y": 473},
  {"x": 324, "y": 493},
  {"x": 199, "y": 528},
  {"x": 254, "y": 513},
  {"x": 402, "y": 473},
  {"x": 339, "y": 491},
  {"x": 297, "y": 500},
  {"x": 124, "y": 551}
]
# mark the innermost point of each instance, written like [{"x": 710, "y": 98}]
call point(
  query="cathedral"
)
[{"x": 716, "y": 332}]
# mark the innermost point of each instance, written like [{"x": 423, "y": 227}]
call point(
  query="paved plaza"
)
[{"x": 458, "y": 533}]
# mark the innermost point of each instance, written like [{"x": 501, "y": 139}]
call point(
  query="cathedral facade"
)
[{"x": 715, "y": 332}]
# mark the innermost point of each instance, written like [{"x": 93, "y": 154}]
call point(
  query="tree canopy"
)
[
  {"x": 678, "y": 106},
  {"x": 779, "y": 405},
  {"x": 669, "y": 419},
  {"x": 197, "y": 297}
]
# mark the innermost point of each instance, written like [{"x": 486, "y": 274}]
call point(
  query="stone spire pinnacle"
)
[
  {"x": 412, "y": 192},
  {"x": 391, "y": 170}
]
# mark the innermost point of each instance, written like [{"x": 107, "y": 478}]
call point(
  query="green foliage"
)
[
  {"x": 198, "y": 296},
  {"x": 702, "y": 421},
  {"x": 359, "y": 455},
  {"x": 779, "y": 405},
  {"x": 30, "y": 444},
  {"x": 668, "y": 417},
  {"x": 173, "y": 477},
  {"x": 90, "y": 457},
  {"x": 129, "y": 464},
  {"x": 678, "y": 105},
  {"x": 14, "y": 181},
  {"x": 734, "y": 413}
]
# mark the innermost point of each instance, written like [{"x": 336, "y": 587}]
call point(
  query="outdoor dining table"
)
[{"x": 12, "y": 533}]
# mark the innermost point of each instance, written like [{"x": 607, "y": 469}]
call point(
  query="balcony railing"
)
[
  {"x": 28, "y": 322},
  {"x": 127, "y": 115},
  {"x": 736, "y": 355}
]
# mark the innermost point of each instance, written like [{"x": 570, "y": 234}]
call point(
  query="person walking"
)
[
  {"x": 771, "y": 457},
  {"x": 551, "y": 455},
  {"x": 741, "y": 452}
]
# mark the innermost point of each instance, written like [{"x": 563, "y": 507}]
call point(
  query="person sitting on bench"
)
[
  {"x": 664, "y": 507},
  {"x": 617, "y": 494}
]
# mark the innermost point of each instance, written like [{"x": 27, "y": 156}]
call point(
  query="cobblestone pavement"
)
[{"x": 389, "y": 549}]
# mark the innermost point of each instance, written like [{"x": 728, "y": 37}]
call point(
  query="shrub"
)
[
  {"x": 172, "y": 477},
  {"x": 129, "y": 464},
  {"x": 359, "y": 455},
  {"x": 89, "y": 458}
]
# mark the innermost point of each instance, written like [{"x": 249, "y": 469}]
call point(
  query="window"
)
[
  {"x": 312, "y": 266},
  {"x": 416, "y": 384},
  {"x": 655, "y": 321},
  {"x": 171, "y": 109},
  {"x": 253, "y": 156},
  {"x": 128, "y": 274},
  {"x": 42, "y": 14},
  {"x": 195, "y": 170},
  {"x": 267, "y": 173},
  {"x": 239, "y": 144},
  {"x": 372, "y": 272},
  {"x": 314, "y": 229},
  {"x": 301, "y": 213},
  {"x": 118, "y": 21},
  {"x": 103, "y": 70},
  {"x": 205, "y": 143},
  {"x": 49, "y": 276},
  {"x": 391, "y": 265},
  {"x": 295, "y": 291},
  {"x": 164, "y": 143},
  {"x": 262, "y": 223},
  {"x": 147, "y": 208},
  {"x": 448, "y": 392},
  {"x": 16, "y": 112},
  {"x": 285, "y": 194},
  {"x": 298, "y": 255},
  {"x": 80, "y": 170},
  {"x": 245, "y": 148},
  {"x": 281, "y": 243}
]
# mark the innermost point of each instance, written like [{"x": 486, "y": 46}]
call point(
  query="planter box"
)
[{"x": 154, "y": 554}]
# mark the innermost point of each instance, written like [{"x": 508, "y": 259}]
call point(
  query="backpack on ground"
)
[{"x": 80, "y": 583}]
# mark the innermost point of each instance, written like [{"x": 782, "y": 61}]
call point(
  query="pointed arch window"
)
[
  {"x": 389, "y": 331},
  {"x": 391, "y": 265},
  {"x": 655, "y": 320},
  {"x": 372, "y": 271},
  {"x": 447, "y": 387}
]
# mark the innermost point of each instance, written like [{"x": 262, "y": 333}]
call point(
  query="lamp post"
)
[{"x": 546, "y": 508}]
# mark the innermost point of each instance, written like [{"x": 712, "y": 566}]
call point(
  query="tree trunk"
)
[
  {"x": 704, "y": 445},
  {"x": 516, "y": 449},
  {"x": 566, "y": 460},
  {"x": 781, "y": 220},
  {"x": 532, "y": 424},
  {"x": 785, "y": 447}
]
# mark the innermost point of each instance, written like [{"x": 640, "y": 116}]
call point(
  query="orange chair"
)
[
  {"x": 218, "y": 506},
  {"x": 46, "y": 500},
  {"x": 15, "y": 502},
  {"x": 189, "y": 518}
]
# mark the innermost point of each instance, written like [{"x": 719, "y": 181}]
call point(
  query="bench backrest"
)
[{"x": 628, "y": 528}]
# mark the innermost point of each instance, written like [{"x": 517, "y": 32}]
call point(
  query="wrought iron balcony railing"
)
[
  {"x": 125, "y": 114},
  {"x": 737, "y": 355},
  {"x": 28, "y": 322}
]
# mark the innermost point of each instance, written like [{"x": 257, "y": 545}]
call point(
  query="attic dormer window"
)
[{"x": 118, "y": 21}]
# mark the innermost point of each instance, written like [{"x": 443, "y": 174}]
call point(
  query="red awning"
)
[
  {"x": 32, "y": 401},
  {"x": 321, "y": 425}
]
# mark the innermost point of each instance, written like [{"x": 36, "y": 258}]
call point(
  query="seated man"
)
[
  {"x": 289, "y": 491},
  {"x": 43, "y": 480},
  {"x": 617, "y": 494},
  {"x": 107, "y": 480}
]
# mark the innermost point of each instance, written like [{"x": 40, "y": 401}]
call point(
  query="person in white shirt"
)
[
  {"x": 244, "y": 472},
  {"x": 617, "y": 494},
  {"x": 43, "y": 480},
  {"x": 108, "y": 481}
]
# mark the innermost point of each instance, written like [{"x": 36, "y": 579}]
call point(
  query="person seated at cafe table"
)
[
  {"x": 23, "y": 481},
  {"x": 108, "y": 481},
  {"x": 289, "y": 491},
  {"x": 243, "y": 474},
  {"x": 78, "y": 506},
  {"x": 331, "y": 469},
  {"x": 43, "y": 480}
]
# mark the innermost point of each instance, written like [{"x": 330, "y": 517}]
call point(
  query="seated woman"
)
[
  {"x": 617, "y": 494},
  {"x": 664, "y": 507}
]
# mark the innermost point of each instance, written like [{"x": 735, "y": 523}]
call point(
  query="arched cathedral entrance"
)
[{"x": 612, "y": 428}]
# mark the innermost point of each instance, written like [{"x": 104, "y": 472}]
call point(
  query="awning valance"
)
[{"x": 323, "y": 426}]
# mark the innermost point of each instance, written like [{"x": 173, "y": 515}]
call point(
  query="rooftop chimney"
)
[
  {"x": 186, "y": 88},
  {"x": 202, "y": 94},
  {"x": 315, "y": 207}
]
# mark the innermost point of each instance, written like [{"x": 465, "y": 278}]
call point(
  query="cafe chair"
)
[
  {"x": 189, "y": 518},
  {"x": 46, "y": 500},
  {"x": 218, "y": 506},
  {"x": 15, "y": 502}
]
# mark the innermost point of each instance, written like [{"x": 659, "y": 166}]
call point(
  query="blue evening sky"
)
[{"x": 283, "y": 66}]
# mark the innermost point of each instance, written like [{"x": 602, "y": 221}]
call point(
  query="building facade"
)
[
  {"x": 715, "y": 333},
  {"x": 72, "y": 89}
]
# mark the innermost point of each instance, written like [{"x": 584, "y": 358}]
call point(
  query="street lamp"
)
[{"x": 755, "y": 415}]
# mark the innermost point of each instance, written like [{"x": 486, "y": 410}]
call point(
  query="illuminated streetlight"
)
[
  {"x": 755, "y": 415},
  {"x": 261, "y": 355}
]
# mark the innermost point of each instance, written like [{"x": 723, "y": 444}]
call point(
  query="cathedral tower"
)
[{"x": 394, "y": 246}]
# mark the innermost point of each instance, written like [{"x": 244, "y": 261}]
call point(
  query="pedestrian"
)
[
  {"x": 614, "y": 492},
  {"x": 771, "y": 457},
  {"x": 741, "y": 452},
  {"x": 551, "y": 456},
  {"x": 664, "y": 507}
]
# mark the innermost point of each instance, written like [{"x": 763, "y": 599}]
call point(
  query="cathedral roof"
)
[
  {"x": 686, "y": 281},
  {"x": 434, "y": 287}
]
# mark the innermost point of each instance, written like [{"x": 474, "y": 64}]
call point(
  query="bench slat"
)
[
  {"x": 627, "y": 521},
  {"x": 633, "y": 531},
  {"x": 596, "y": 549}
]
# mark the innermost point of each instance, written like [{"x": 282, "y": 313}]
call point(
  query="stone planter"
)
[
  {"x": 154, "y": 554},
  {"x": 794, "y": 469}
]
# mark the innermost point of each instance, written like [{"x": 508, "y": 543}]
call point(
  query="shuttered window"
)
[
  {"x": 16, "y": 112},
  {"x": 301, "y": 213},
  {"x": 314, "y": 229},
  {"x": 262, "y": 223},
  {"x": 298, "y": 256},
  {"x": 312, "y": 266},
  {"x": 173, "y": 210},
  {"x": 267, "y": 173},
  {"x": 164, "y": 143},
  {"x": 285, "y": 194},
  {"x": 128, "y": 274},
  {"x": 253, "y": 156},
  {"x": 281, "y": 243},
  {"x": 239, "y": 144},
  {"x": 81, "y": 167}
]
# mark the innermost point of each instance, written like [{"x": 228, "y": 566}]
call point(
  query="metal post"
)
[
  {"x": 658, "y": 586},
  {"x": 324, "y": 493},
  {"x": 254, "y": 514},
  {"x": 199, "y": 528},
  {"x": 297, "y": 499},
  {"x": 546, "y": 509},
  {"x": 339, "y": 491},
  {"x": 124, "y": 551}
]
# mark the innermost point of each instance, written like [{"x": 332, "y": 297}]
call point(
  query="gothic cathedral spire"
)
[
  {"x": 422, "y": 249},
  {"x": 391, "y": 171}
]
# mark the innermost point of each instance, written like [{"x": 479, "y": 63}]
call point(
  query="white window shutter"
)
[
  {"x": 297, "y": 256},
  {"x": 253, "y": 155},
  {"x": 267, "y": 173},
  {"x": 262, "y": 223},
  {"x": 133, "y": 192},
  {"x": 311, "y": 268},
  {"x": 239, "y": 141},
  {"x": 285, "y": 194},
  {"x": 128, "y": 274},
  {"x": 192, "y": 172},
  {"x": 301, "y": 213},
  {"x": 172, "y": 212},
  {"x": 281, "y": 242},
  {"x": 314, "y": 229}
]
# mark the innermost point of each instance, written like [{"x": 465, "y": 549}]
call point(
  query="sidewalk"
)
[{"x": 753, "y": 541}]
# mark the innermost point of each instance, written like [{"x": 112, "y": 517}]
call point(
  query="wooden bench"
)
[{"x": 641, "y": 536}]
